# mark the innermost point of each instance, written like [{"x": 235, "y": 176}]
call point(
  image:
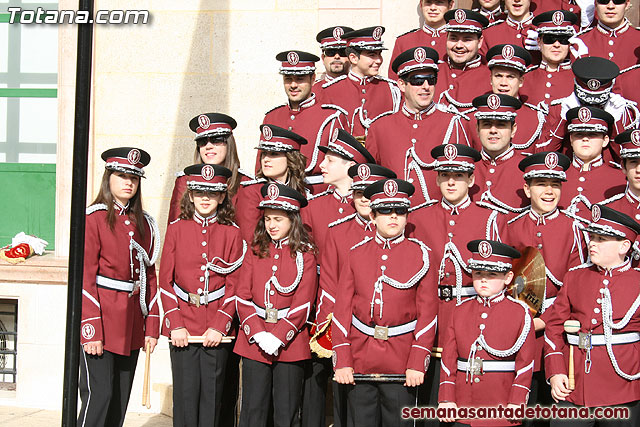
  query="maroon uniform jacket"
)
[
  {"x": 403, "y": 142},
  {"x": 627, "y": 84},
  {"x": 500, "y": 181},
  {"x": 446, "y": 229},
  {"x": 200, "y": 254},
  {"x": 408, "y": 307},
  {"x": 247, "y": 212},
  {"x": 365, "y": 99},
  {"x": 323, "y": 209},
  {"x": 541, "y": 6},
  {"x": 503, "y": 322},
  {"x": 625, "y": 202},
  {"x": 341, "y": 236},
  {"x": 313, "y": 122},
  {"x": 543, "y": 84},
  {"x": 530, "y": 120},
  {"x": 294, "y": 306},
  {"x": 109, "y": 315},
  {"x": 582, "y": 298},
  {"x": 507, "y": 31},
  {"x": 492, "y": 15},
  {"x": 619, "y": 45},
  {"x": 435, "y": 38},
  {"x": 317, "y": 85},
  {"x": 459, "y": 86}
]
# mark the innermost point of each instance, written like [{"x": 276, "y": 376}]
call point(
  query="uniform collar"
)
[
  {"x": 120, "y": 210},
  {"x": 420, "y": 115},
  {"x": 613, "y": 32},
  {"x": 520, "y": 25},
  {"x": 339, "y": 197},
  {"x": 366, "y": 224},
  {"x": 434, "y": 32},
  {"x": 491, "y": 14},
  {"x": 542, "y": 219},
  {"x": 309, "y": 102},
  {"x": 386, "y": 243},
  {"x": 632, "y": 198},
  {"x": 455, "y": 209},
  {"x": 626, "y": 265},
  {"x": 359, "y": 80},
  {"x": 474, "y": 63},
  {"x": 205, "y": 221},
  {"x": 564, "y": 65},
  {"x": 328, "y": 78},
  {"x": 579, "y": 164},
  {"x": 487, "y": 301},
  {"x": 501, "y": 158},
  {"x": 278, "y": 243}
]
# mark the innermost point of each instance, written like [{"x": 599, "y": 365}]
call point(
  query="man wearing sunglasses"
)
[
  {"x": 552, "y": 79},
  {"x": 334, "y": 55},
  {"x": 303, "y": 114},
  {"x": 432, "y": 33},
  {"x": 402, "y": 141},
  {"x": 614, "y": 37}
]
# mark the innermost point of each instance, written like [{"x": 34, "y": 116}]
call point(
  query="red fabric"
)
[
  {"x": 625, "y": 50},
  {"x": 540, "y": 84},
  {"x": 463, "y": 84},
  {"x": 323, "y": 210},
  {"x": 505, "y": 178},
  {"x": 418, "y": 37}
]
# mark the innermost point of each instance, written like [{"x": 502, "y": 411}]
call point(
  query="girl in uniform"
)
[
  {"x": 119, "y": 305},
  {"x": 276, "y": 290},
  {"x": 202, "y": 252}
]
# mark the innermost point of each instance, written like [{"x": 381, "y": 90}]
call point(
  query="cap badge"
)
[
  {"x": 207, "y": 172},
  {"x": 267, "y": 133},
  {"x": 377, "y": 33},
  {"x": 134, "y": 156},
  {"x": 584, "y": 114},
  {"x": 364, "y": 172},
  {"x": 293, "y": 58},
  {"x": 337, "y": 33},
  {"x": 460, "y": 16},
  {"x": 493, "y": 101},
  {"x": 593, "y": 84},
  {"x": 551, "y": 160},
  {"x": 635, "y": 137},
  {"x": 420, "y": 55},
  {"x": 450, "y": 151},
  {"x": 390, "y": 188},
  {"x": 557, "y": 18},
  {"x": 484, "y": 249},
  {"x": 273, "y": 192},
  {"x": 334, "y": 136},
  {"x": 508, "y": 51},
  {"x": 596, "y": 213},
  {"x": 203, "y": 121}
]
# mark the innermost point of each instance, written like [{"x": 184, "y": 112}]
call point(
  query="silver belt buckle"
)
[
  {"x": 194, "y": 299},
  {"x": 381, "y": 333},
  {"x": 475, "y": 366},
  {"x": 584, "y": 341},
  {"x": 271, "y": 315}
]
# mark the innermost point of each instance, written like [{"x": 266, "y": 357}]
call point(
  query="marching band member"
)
[
  {"x": 277, "y": 287},
  {"x": 202, "y": 252},
  {"x": 487, "y": 359},
  {"x": 119, "y": 305},
  {"x": 334, "y": 55},
  {"x": 386, "y": 311},
  {"x": 602, "y": 296},
  {"x": 513, "y": 30},
  {"x": 628, "y": 202},
  {"x": 492, "y": 10}
]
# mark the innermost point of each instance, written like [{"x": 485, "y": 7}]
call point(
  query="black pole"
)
[{"x": 78, "y": 205}]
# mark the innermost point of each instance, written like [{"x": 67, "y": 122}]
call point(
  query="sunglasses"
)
[
  {"x": 552, "y": 38},
  {"x": 614, "y": 1},
  {"x": 334, "y": 52},
  {"x": 387, "y": 211},
  {"x": 418, "y": 80},
  {"x": 214, "y": 140}
]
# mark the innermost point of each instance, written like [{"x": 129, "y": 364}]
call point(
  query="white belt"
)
[
  {"x": 452, "y": 291},
  {"x": 118, "y": 285},
  {"x": 314, "y": 179},
  {"x": 282, "y": 312},
  {"x": 548, "y": 302},
  {"x": 490, "y": 365},
  {"x": 392, "y": 330},
  {"x": 212, "y": 296},
  {"x": 598, "y": 339}
]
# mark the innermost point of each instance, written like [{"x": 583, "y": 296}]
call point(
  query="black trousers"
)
[
  {"x": 380, "y": 404},
  {"x": 318, "y": 372},
  {"x": 260, "y": 382},
  {"x": 428, "y": 392},
  {"x": 198, "y": 379},
  {"x": 228, "y": 406},
  {"x": 540, "y": 395},
  {"x": 632, "y": 421},
  {"x": 105, "y": 386}
]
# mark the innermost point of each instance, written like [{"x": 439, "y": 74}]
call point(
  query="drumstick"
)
[
  {"x": 199, "y": 339},
  {"x": 145, "y": 387},
  {"x": 571, "y": 327},
  {"x": 379, "y": 378}
]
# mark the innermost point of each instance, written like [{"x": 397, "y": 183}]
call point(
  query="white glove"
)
[
  {"x": 260, "y": 337},
  {"x": 531, "y": 42},
  {"x": 577, "y": 47},
  {"x": 271, "y": 344},
  {"x": 36, "y": 243},
  {"x": 587, "y": 12}
]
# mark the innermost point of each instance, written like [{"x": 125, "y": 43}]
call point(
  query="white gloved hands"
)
[
  {"x": 260, "y": 337},
  {"x": 531, "y": 42},
  {"x": 270, "y": 344},
  {"x": 577, "y": 47},
  {"x": 587, "y": 12}
]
